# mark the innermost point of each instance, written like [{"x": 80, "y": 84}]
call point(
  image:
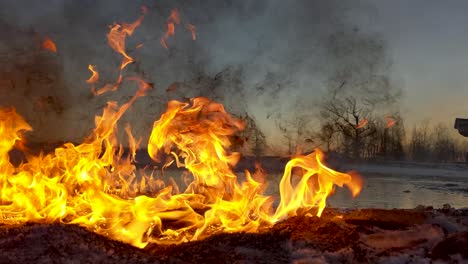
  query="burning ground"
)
[{"x": 421, "y": 235}]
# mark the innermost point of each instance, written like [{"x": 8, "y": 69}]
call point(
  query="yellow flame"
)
[
  {"x": 95, "y": 75},
  {"x": 93, "y": 185},
  {"x": 314, "y": 186}
]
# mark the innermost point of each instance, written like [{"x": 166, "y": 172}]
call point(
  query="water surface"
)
[{"x": 391, "y": 186}]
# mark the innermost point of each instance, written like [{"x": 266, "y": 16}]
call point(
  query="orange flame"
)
[
  {"x": 191, "y": 28},
  {"x": 139, "y": 46},
  {"x": 49, "y": 45},
  {"x": 110, "y": 87},
  {"x": 95, "y": 75},
  {"x": 116, "y": 39},
  {"x": 390, "y": 121},
  {"x": 174, "y": 16},
  {"x": 132, "y": 142},
  {"x": 118, "y": 34},
  {"x": 363, "y": 123},
  {"x": 172, "y": 20}
]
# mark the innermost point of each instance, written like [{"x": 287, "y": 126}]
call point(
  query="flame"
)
[
  {"x": 118, "y": 34},
  {"x": 139, "y": 46},
  {"x": 172, "y": 20},
  {"x": 191, "y": 28},
  {"x": 116, "y": 39},
  {"x": 49, "y": 45},
  {"x": 390, "y": 121},
  {"x": 93, "y": 184},
  {"x": 133, "y": 143},
  {"x": 362, "y": 124},
  {"x": 110, "y": 87},
  {"x": 95, "y": 75},
  {"x": 314, "y": 186}
]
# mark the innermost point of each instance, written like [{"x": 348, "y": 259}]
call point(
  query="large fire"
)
[{"x": 93, "y": 184}]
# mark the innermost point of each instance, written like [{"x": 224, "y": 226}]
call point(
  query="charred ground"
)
[{"x": 360, "y": 236}]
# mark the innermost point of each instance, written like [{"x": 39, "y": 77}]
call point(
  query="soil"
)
[{"x": 421, "y": 235}]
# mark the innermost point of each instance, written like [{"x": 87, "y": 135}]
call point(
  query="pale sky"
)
[{"x": 428, "y": 42}]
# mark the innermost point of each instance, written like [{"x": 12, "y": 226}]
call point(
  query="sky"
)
[
  {"x": 269, "y": 43},
  {"x": 428, "y": 42}
]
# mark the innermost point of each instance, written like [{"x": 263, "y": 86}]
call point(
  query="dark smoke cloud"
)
[{"x": 257, "y": 56}]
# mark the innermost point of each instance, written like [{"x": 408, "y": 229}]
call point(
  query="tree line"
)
[{"x": 358, "y": 113}]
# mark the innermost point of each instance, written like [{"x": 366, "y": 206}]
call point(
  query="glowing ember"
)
[
  {"x": 49, "y": 45},
  {"x": 94, "y": 185}
]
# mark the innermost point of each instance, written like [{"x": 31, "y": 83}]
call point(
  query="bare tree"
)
[
  {"x": 444, "y": 146},
  {"x": 296, "y": 127},
  {"x": 420, "y": 145},
  {"x": 435, "y": 143},
  {"x": 462, "y": 150},
  {"x": 326, "y": 135},
  {"x": 358, "y": 90},
  {"x": 351, "y": 121}
]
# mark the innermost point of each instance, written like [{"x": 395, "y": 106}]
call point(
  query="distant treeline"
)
[{"x": 367, "y": 139}]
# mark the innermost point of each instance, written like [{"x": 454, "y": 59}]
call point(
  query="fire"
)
[
  {"x": 95, "y": 75},
  {"x": 172, "y": 20},
  {"x": 139, "y": 46},
  {"x": 93, "y": 184},
  {"x": 117, "y": 35},
  {"x": 390, "y": 121},
  {"x": 362, "y": 124},
  {"x": 108, "y": 87},
  {"x": 306, "y": 194},
  {"x": 49, "y": 45},
  {"x": 191, "y": 28},
  {"x": 117, "y": 38}
]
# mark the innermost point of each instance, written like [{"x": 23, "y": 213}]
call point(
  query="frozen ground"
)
[
  {"x": 407, "y": 185},
  {"x": 392, "y": 185},
  {"x": 339, "y": 236}
]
